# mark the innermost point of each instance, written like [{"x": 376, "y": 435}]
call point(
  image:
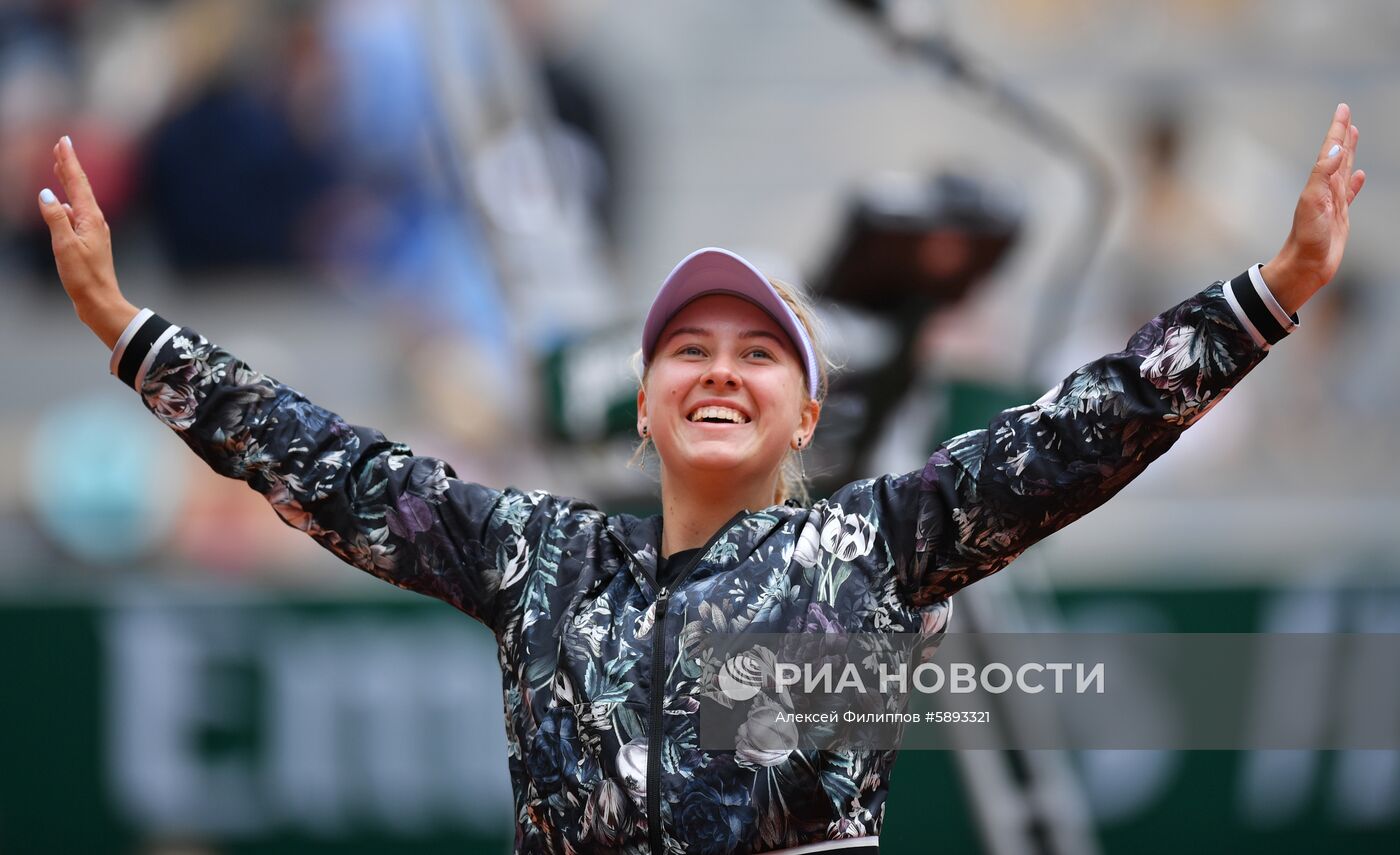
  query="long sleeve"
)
[
  {"x": 406, "y": 519},
  {"x": 985, "y": 496}
]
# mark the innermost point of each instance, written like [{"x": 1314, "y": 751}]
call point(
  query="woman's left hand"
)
[{"x": 1313, "y": 251}]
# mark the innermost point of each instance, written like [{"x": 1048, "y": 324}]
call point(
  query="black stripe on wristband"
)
[
  {"x": 1255, "y": 310},
  {"x": 138, "y": 347}
]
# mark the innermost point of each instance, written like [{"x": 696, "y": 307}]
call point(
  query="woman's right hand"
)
[{"x": 82, "y": 249}]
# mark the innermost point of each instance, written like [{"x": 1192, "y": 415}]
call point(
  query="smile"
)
[{"x": 718, "y": 415}]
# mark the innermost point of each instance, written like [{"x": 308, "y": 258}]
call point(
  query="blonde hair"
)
[{"x": 792, "y": 477}]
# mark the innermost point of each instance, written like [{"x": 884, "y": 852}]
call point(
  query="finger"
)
[
  {"x": 1329, "y": 165},
  {"x": 75, "y": 182},
  {"x": 67, "y": 208},
  {"x": 1353, "y": 136},
  {"x": 60, "y": 228},
  {"x": 1328, "y": 170},
  {"x": 1358, "y": 180},
  {"x": 1336, "y": 134}
]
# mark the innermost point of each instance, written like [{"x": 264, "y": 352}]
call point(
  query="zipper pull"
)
[{"x": 662, "y": 597}]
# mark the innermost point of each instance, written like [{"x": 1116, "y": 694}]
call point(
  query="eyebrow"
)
[{"x": 701, "y": 331}]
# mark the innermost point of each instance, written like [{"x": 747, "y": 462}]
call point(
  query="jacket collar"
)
[{"x": 640, "y": 539}]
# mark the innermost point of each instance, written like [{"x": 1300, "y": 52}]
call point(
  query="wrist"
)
[
  {"x": 1290, "y": 287},
  {"x": 107, "y": 318}
]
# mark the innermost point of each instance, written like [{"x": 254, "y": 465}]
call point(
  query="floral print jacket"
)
[{"x": 599, "y": 717}]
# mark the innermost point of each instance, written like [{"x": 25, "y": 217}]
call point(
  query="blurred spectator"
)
[
  {"x": 232, "y": 173},
  {"x": 229, "y": 183}
]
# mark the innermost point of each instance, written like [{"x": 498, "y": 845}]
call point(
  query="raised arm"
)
[
  {"x": 987, "y": 495},
  {"x": 404, "y": 518}
]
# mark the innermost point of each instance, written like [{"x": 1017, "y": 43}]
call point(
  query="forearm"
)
[
  {"x": 989, "y": 494},
  {"x": 340, "y": 484},
  {"x": 404, "y": 518}
]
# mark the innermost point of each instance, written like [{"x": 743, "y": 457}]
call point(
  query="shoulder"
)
[{"x": 870, "y": 495}]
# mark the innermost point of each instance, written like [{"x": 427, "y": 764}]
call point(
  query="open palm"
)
[{"x": 1313, "y": 252}]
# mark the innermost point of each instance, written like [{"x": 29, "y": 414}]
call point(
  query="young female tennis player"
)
[{"x": 590, "y": 610}]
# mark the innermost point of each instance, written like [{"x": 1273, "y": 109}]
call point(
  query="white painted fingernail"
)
[
  {"x": 68, "y": 141},
  {"x": 1335, "y": 149},
  {"x": 47, "y": 197}
]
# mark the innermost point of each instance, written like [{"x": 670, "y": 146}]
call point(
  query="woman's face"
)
[{"x": 726, "y": 394}]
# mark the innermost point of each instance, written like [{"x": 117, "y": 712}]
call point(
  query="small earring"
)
[
  {"x": 644, "y": 430},
  {"x": 799, "y": 443}
]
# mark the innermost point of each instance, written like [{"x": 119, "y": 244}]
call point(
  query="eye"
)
[
  {"x": 691, "y": 349},
  {"x": 761, "y": 352}
]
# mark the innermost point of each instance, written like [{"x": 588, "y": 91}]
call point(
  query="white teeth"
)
[{"x": 719, "y": 413}]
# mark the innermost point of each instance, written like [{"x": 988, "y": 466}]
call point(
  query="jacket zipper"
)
[
  {"x": 658, "y": 688},
  {"x": 654, "y": 739}
]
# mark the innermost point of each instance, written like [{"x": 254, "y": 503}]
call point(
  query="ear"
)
[
  {"x": 641, "y": 408},
  {"x": 807, "y": 424}
]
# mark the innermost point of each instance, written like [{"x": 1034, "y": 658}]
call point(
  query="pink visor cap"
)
[{"x": 712, "y": 270}]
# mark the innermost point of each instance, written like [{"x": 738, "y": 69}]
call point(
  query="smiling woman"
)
[{"x": 597, "y": 615}]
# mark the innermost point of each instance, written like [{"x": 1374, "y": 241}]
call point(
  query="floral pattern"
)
[{"x": 568, "y": 590}]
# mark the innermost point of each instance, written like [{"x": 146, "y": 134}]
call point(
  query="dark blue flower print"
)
[
  {"x": 555, "y": 753},
  {"x": 714, "y": 815}
]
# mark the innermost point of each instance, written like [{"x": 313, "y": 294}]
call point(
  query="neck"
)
[{"x": 692, "y": 513}]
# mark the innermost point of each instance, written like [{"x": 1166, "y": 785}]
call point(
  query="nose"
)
[{"x": 721, "y": 372}]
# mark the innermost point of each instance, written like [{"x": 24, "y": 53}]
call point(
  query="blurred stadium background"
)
[{"x": 445, "y": 219}]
